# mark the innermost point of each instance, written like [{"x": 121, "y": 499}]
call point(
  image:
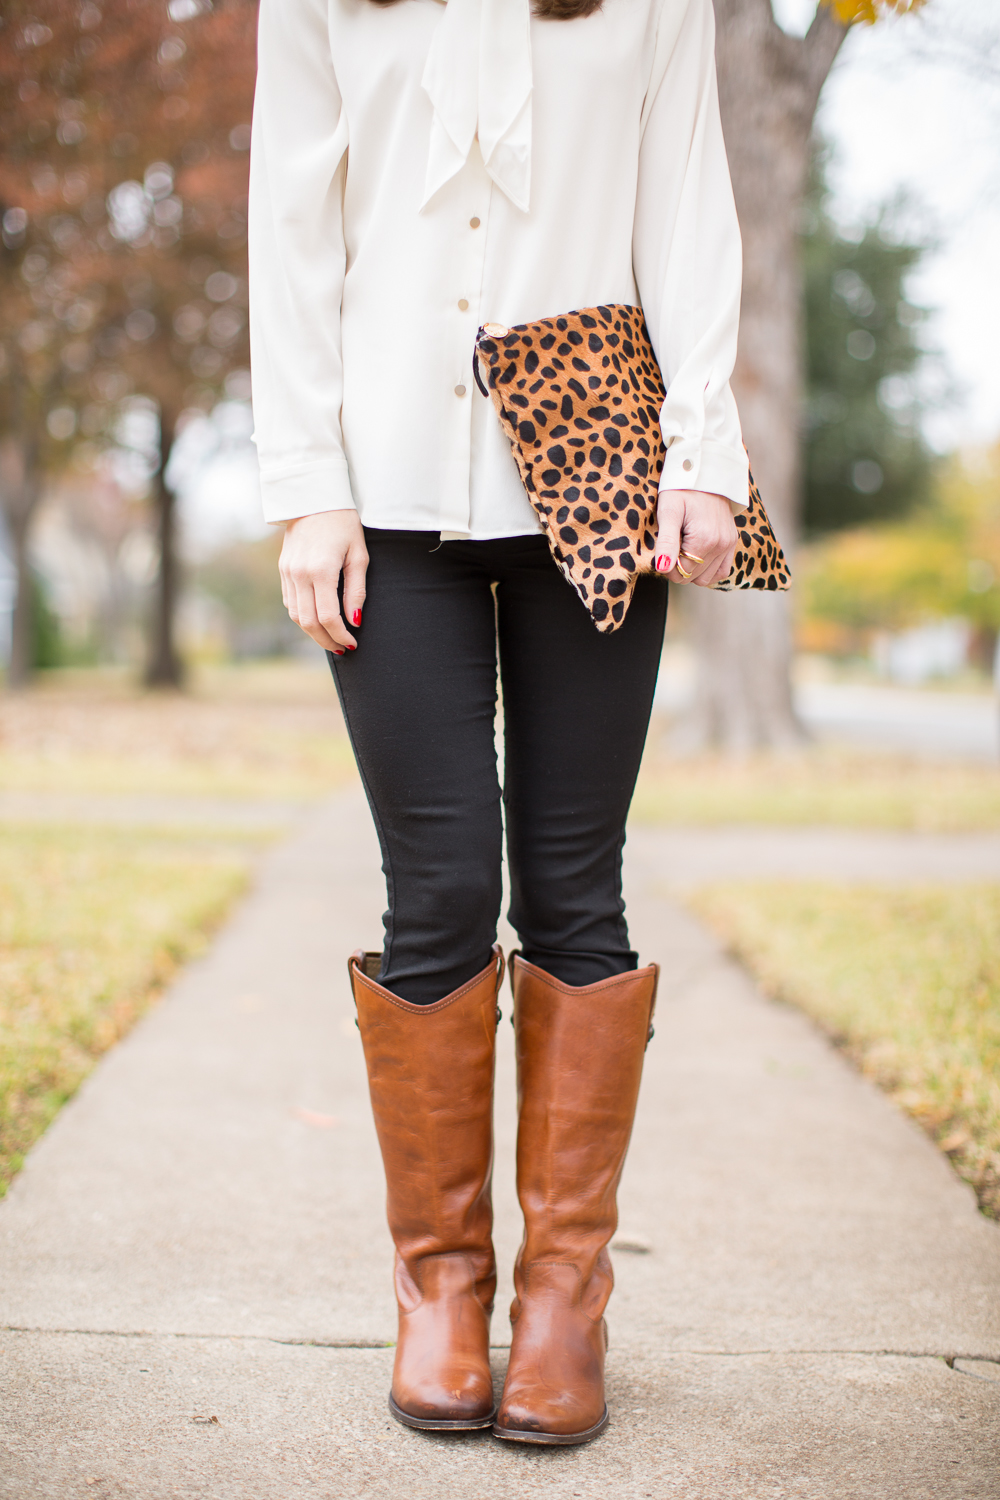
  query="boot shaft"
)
[
  {"x": 430, "y": 1075},
  {"x": 579, "y": 1065}
]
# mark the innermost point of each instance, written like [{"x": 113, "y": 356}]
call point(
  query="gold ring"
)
[
  {"x": 691, "y": 557},
  {"x": 681, "y": 570}
]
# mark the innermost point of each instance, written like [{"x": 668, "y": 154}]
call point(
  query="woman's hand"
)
[
  {"x": 696, "y": 537},
  {"x": 316, "y": 550}
]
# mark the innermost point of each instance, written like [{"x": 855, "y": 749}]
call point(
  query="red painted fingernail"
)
[
  {"x": 663, "y": 563},
  {"x": 357, "y": 617},
  {"x": 338, "y": 653},
  {"x": 352, "y": 648}
]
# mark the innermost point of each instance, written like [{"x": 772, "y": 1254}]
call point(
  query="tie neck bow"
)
[{"x": 478, "y": 78}]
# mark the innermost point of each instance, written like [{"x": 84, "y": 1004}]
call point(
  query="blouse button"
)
[
  {"x": 688, "y": 465},
  {"x": 463, "y": 304},
  {"x": 460, "y": 390},
  {"x": 474, "y": 223}
]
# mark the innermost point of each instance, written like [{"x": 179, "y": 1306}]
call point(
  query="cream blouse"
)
[{"x": 420, "y": 168}]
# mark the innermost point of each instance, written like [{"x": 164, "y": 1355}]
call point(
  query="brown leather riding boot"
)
[
  {"x": 430, "y": 1073},
  {"x": 579, "y": 1061}
]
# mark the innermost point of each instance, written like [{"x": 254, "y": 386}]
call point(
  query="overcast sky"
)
[{"x": 899, "y": 117}]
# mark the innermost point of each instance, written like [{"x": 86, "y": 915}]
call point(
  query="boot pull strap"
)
[
  {"x": 501, "y": 966},
  {"x": 652, "y": 1005},
  {"x": 361, "y": 961}
]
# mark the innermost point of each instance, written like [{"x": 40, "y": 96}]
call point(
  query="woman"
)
[{"x": 419, "y": 169}]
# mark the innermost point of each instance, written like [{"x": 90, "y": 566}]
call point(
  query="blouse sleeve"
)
[
  {"x": 687, "y": 256},
  {"x": 298, "y": 165}
]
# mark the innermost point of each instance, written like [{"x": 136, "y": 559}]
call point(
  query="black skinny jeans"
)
[{"x": 419, "y": 698}]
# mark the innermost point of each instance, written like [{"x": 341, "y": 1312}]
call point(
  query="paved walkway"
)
[
  {"x": 195, "y": 1294},
  {"x": 146, "y": 810},
  {"x": 911, "y": 721},
  {"x": 923, "y": 722},
  {"x": 682, "y": 856}
]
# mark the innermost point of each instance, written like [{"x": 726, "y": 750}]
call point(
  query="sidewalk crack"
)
[{"x": 948, "y": 1357}]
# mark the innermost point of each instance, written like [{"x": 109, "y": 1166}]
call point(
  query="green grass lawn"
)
[
  {"x": 820, "y": 786},
  {"x": 95, "y": 919},
  {"x": 93, "y": 923},
  {"x": 907, "y": 980}
]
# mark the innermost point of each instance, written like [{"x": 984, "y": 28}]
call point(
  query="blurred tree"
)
[
  {"x": 942, "y": 562},
  {"x": 865, "y": 457},
  {"x": 46, "y": 641},
  {"x": 769, "y": 87},
  {"x": 124, "y": 128},
  {"x": 243, "y": 578}
]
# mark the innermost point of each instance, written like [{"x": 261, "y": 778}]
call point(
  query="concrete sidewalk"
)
[{"x": 195, "y": 1293}]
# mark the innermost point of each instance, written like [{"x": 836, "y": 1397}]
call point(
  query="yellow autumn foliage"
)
[
  {"x": 867, "y": 12},
  {"x": 943, "y": 562}
]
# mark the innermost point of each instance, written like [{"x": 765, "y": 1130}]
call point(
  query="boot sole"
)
[
  {"x": 551, "y": 1439},
  {"x": 441, "y": 1424}
]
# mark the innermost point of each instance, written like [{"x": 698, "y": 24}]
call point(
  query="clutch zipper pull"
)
[
  {"x": 475, "y": 371},
  {"x": 491, "y": 331}
]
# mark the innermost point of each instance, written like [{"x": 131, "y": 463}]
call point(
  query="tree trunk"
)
[
  {"x": 20, "y": 492},
  {"x": 22, "y": 632},
  {"x": 769, "y": 86},
  {"x": 165, "y": 668}
]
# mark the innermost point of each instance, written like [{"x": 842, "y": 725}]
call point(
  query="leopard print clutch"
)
[{"x": 579, "y": 398}]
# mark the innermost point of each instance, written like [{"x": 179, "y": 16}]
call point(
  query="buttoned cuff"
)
[
  {"x": 713, "y": 468},
  {"x": 288, "y": 494}
]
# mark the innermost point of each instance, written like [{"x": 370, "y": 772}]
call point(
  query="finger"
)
[
  {"x": 306, "y": 616},
  {"x": 355, "y": 573},
  {"x": 670, "y": 518},
  {"x": 701, "y": 560},
  {"x": 691, "y": 559},
  {"x": 328, "y": 612},
  {"x": 691, "y": 565},
  {"x": 289, "y": 597},
  {"x": 324, "y": 639},
  {"x": 315, "y": 613},
  {"x": 722, "y": 569},
  {"x": 707, "y": 546},
  {"x": 685, "y": 568}
]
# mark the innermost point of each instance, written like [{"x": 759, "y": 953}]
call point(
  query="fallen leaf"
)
[
  {"x": 631, "y": 1244},
  {"x": 313, "y": 1117}
]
